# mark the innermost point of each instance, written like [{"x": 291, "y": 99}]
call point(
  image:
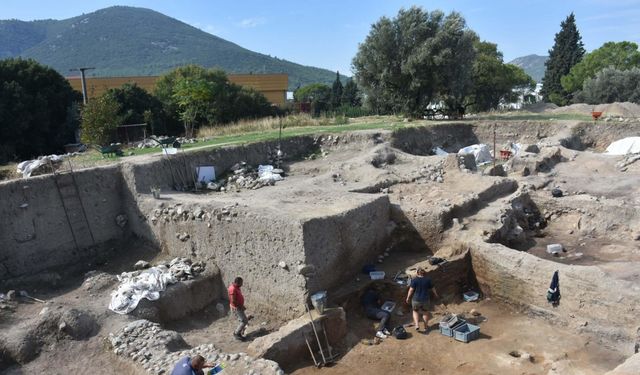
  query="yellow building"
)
[{"x": 272, "y": 86}]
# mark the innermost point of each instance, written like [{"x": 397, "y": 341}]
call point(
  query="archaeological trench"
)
[{"x": 347, "y": 200}]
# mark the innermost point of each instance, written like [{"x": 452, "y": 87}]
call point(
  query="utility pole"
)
[{"x": 84, "y": 82}]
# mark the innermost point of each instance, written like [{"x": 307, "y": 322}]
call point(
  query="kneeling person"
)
[
  {"x": 190, "y": 366},
  {"x": 371, "y": 303}
]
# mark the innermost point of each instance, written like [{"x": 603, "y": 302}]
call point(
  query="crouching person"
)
[
  {"x": 371, "y": 303},
  {"x": 191, "y": 366}
]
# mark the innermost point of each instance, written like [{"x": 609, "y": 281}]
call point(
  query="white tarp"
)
[
  {"x": 265, "y": 172},
  {"x": 148, "y": 284},
  {"x": 480, "y": 152},
  {"x": 630, "y": 145},
  {"x": 28, "y": 166},
  {"x": 440, "y": 152}
]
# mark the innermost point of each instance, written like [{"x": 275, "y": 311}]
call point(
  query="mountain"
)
[
  {"x": 127, "y": 41},
  {"x": 533, "y": 65}
]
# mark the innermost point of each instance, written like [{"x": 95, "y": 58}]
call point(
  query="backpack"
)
[{"x": 400, "y": 333}]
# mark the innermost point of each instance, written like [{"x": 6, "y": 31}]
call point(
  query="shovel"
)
[{"x": 23, "y": 293}]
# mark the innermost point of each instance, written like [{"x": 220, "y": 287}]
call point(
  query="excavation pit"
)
[{"x": 369, "y": 198}]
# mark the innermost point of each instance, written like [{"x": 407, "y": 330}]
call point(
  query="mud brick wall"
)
[{"x": 36, "y": 235}]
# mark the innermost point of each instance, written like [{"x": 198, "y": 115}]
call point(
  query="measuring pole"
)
[
  {"x": 494, "y": 145},
  {"x": 84, "y": 82}
]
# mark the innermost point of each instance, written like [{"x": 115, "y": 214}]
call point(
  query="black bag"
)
[{"x": 400, "y": 333}]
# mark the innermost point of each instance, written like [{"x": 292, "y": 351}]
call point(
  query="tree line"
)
[
  {"x": 40, "y": 112},
  {"x": 610, "y": 73}
]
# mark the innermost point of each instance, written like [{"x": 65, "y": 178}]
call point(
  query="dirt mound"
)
[{"x": 625, "y": 109}]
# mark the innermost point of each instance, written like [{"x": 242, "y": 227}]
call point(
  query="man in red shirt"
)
[{"x": 236, "y": 302}]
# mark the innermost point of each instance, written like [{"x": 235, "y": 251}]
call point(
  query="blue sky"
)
[{"x": 326, "y": 33}]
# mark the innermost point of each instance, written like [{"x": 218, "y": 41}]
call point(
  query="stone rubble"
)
[
  {"x": 433, "y": 173},
  {"x": 150, "y": 143},
  {"x": 148, "y": 345},
  {"x": 176, "y": 213},
  {"x": 243, "y": 176}
]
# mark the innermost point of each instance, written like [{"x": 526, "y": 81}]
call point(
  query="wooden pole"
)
[{"x": 494, "y": 144}]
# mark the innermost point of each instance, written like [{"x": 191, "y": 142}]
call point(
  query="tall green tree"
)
[
  {"x": 494, "y": 81},
  {"x": 100, "y": 119},
  {"x": 193, "y": 97},
  {"x": 455, "y": 57},
  {"x": 336, "y": 92},
  {"x": 620, "y": 56},
  {"x": 351, "y": 94},
  {"x": 37, "y": 111},
  {"x": 566, "y": 52},
  {"x": 408, "y": 61}
]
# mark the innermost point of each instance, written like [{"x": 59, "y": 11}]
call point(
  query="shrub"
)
[{"x": 100, "y": 118}]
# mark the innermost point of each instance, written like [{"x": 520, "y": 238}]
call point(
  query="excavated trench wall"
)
[
  {"x": 36, "y": 235},
  {"x": 338, "y": 245},
  {"x": 248, "y": 244},
  {"x": 600, "y": 135},
  {"x": 590, "y": 300},
  {"x": 166, "y": 172},
  {"x": 421, "y": 140}
]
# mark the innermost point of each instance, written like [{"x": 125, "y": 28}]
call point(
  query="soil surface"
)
[
  {"x": 589, "y": 221},
  {"x": 510, "y": 342}
]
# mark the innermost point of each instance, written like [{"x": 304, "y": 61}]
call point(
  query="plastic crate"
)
[
  {"x": 470, "y": 296},
  {"x": 466, "y": 332},
  {"x": 445, "y": 330}
]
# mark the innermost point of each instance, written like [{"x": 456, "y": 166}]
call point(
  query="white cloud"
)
[{"x": 248, "y": 23}]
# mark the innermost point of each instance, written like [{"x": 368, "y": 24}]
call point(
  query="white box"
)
[{"x": 554, "y": 248}]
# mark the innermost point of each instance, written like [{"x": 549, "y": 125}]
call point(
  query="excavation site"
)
[{"x": 534, "y": 253}]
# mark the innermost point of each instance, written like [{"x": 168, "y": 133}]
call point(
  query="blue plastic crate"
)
[
  {"x": 448, "y": 331},
  {"x": 466, "y": 332}
]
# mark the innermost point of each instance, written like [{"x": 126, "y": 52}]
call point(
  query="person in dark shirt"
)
[
  {"x": 419, "y": 294},
  {"x": 371, "y": 303},
  {"x": 190, "y": 366}
]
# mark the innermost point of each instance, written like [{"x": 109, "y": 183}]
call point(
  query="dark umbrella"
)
[{"x": 553, "y": 294}]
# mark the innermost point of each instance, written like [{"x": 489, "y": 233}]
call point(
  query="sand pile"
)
[{"x": 625, "y": 109}]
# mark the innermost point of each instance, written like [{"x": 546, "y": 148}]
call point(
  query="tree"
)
[
  {"x": 37, "y": 111},
  {"x": 138, "y": 106},
  {"x": 336, "y": 92},
  {"x": 408, "y": 61},
  {"x": 193, "y": 97},
  {"x": 455, "y": 58},
  {"x": 612, "y": 85},
  {"x": 351, "y": 94},
  {"x": 620, "y": 56},
  {"x": 197, "y": 95},
  {"x": 318, "y": 94},
  {"x": 494, "y": 81},
  {"x": 567, "y": 51},
  {"x": 100, "y": 119}
]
